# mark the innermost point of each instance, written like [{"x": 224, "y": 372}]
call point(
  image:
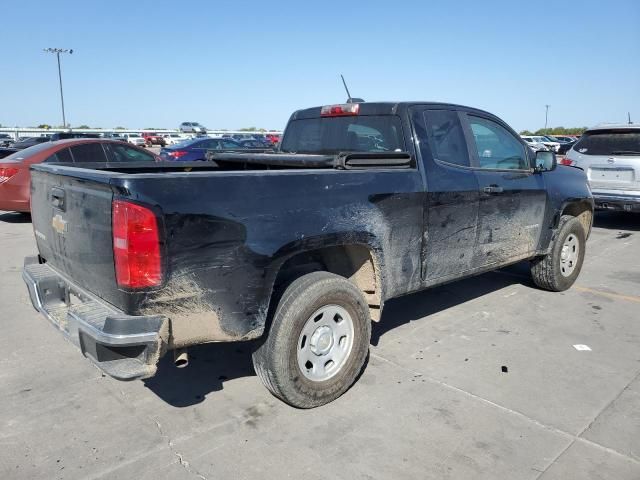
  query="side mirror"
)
[{"x": 545, "y": 161}]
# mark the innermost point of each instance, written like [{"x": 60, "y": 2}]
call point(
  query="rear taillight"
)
[
  {"x": 567, "y": 161},
  {"x": 340, "y": 110},
  {"x": 6, "y": 173},
  {"x": 177, "y": 154},
  {"x": 136, "y": 245}
]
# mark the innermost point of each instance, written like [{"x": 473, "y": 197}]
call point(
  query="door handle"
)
[
  {"x": 57, "y": 198},
  {"x": 493, "y": 189}
]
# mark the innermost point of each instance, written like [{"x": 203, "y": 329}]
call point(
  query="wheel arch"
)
[
  {"x": 582, "y": 209},
  {"x": 358, "y": 262}
]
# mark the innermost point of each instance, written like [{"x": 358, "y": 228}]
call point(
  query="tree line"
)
[{"x": 556, "y": 131}]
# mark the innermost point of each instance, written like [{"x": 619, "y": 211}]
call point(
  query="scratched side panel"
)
[
  {"x": 227, "y": 233},
  {"x": 450, "y": 211}
]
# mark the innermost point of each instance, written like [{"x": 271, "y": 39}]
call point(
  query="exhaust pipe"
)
[{"x": 180, "y": 358}]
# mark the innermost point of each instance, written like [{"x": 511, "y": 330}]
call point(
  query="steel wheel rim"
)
[
  {"x": 325, "y": 343},
  {"x": 569, "y": 255}
]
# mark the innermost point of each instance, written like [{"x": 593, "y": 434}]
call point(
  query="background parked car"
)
[
  {"x": 153, "y": 138},
  {"x": 273, "y": 138},
  {"x": 565, "y": 139},
  {"x": 536, "y": 146},
  {"x": 173, "y": 138},
  {"x": 135, "y": 139},
  {"x": 610, "y": 156},
  {"x": 21, "y": 145},
  {"x": 14, "y": 169},
  {"x": 196, "y": 149},
  {"x": 255, "y": 143},
  {"x": 547, "y": 142},
  {"x": 6, "y": 139},
  {"x": 113, "y": 136},
  {"x": 192, "y": 127}
]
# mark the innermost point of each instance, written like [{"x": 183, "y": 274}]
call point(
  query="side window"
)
[
  {"x": 88, "y": 153},
  {"x": 497, "y": 148},
  {"x": 62, "y": 156},
  {"x": 446, "y": 137},
  {"x": 226, "y": 144}
]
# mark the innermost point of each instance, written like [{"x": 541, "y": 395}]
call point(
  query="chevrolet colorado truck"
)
[{"x": 301, "y": 248}]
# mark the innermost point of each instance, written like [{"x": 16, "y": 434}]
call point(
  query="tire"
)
[
  {"x": 553, "y": 271},
  {"x": 302, "y": 327}
]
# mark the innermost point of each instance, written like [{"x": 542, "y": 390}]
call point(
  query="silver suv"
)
[
  {"x": 192, "y": 127},
  {"x": 610, "y": 156}
]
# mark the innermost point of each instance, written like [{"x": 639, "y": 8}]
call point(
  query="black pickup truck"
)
[{"x": 299, "y": 248}]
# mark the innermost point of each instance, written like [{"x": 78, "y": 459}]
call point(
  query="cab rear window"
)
[
  {"x": 358, "y": 133},
  {"x": 609, "y": 142}
]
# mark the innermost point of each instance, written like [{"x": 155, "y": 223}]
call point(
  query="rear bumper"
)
[
  {"x": 628, "y": 203},
  {"x": 14, "y": 206},
  {"x": 14, "y": 197},
  {"x": 123, "y": 346}
]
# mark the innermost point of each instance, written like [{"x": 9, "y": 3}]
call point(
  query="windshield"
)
[
  {"x": 359, "y": 133},
  {"x": 609, "y": 142}
]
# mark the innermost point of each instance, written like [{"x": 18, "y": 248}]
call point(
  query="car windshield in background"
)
[
  {"x": 609, "y": 142},
  {"x": 328, "y": 135},
  {"x": 124, "y": 153},
  {"x": 186, "y": 143}
]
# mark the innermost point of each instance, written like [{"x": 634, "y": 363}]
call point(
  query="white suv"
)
[
  {"x": 535, "y": 145},
  {"x": 547, "y": 142},
  {"x": 134, "y": 139},
  {"x": 610, "y": 156}
]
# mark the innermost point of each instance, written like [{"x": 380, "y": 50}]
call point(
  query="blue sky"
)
[{"x": 240, "y": 64}]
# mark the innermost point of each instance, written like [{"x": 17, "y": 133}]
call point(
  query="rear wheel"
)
[
  {"x": 318, "y": 341},
  {"x": 559, "y": 269}
]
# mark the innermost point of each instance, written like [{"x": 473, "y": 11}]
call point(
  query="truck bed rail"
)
[{"x": 340, "y": 161}]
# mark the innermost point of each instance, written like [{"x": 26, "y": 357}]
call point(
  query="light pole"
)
[
  {"x": 546, "y": 115},
  {"x": 58, "y": 51}
]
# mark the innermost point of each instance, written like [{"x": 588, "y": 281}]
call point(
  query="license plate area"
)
[{"x": 611, "y": 175}]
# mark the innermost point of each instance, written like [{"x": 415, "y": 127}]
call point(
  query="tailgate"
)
[{"x": 72, "y": 224}]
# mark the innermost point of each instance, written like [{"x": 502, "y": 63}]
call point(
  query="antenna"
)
[
  {"x": 629, "y": 117},
  {"x": 346, "y": 88},
  {"x": 350, "y": 99}
]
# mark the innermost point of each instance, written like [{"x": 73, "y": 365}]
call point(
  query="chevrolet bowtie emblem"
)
[{"x": 59, "y": 224}]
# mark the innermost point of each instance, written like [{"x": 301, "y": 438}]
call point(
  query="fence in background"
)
[{"x": 17, "y": 132}]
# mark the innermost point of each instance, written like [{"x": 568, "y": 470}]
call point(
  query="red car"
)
[
  {"x": 274, "y": 138},
  {"x": 152, "y": 138},
  {"x": 15, "y": 179}
]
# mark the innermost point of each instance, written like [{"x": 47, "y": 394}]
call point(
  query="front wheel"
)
[
  {"x": 318, "y": 341},
  {"x": 559, "y": 269}
]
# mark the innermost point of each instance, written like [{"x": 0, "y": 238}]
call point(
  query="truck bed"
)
[{"x": 225, "y": 233}]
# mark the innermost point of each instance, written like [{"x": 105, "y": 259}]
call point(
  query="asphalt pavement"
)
[{"x": 485, "y": 378}]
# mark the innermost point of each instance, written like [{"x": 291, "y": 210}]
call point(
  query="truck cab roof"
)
[{"x": 383, "y": 108}]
